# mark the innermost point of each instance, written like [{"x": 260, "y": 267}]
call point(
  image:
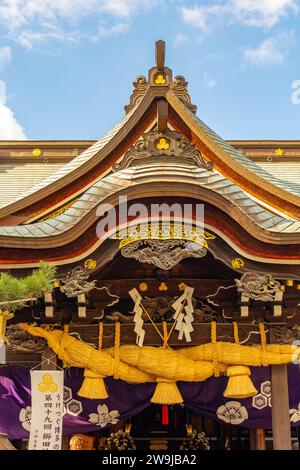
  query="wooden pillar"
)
[
  {"x": 282, "y": 439},
  {"x": 257, "y": 439}
]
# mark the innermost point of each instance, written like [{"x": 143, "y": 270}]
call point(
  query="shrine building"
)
[{"x": 153, "y": 277}]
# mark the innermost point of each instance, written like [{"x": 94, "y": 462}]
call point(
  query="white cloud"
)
[
  {"x": 30, "y": 21},
  {"x": 209, "y": 82},
  {"x": 200, "y": 15},
  {"x": 264, "y": 13},
  {"x": 106, "y": 32},
  {"x": 29, "y": 39},
  {"x": 259, "y": 13},
  {"x": 10, "y": 129},
  {"x": 181, "y": 40},
  {"x": 272, "y": 51},
  {"x": 5, "y": 56}
]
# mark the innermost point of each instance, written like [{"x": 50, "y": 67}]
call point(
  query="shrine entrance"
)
[{"x": 150, "y": 432}]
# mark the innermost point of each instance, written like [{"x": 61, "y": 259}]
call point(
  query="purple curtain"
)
[{"x": 126, "y": 400}]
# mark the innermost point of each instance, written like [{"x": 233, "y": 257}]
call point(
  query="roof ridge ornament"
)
[
  {"x": 160, "y": 75},
  {"x": 162, "y": 144}
]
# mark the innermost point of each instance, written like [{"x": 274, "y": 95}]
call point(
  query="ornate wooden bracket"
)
[
  {"x": 162, "y": 144},
  {"x": 260, "y": 288}
]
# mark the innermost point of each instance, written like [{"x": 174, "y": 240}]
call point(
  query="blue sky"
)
[{"x": 67, "y": 66}]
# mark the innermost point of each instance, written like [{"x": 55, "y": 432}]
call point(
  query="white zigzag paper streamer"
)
[
  {"x": 138, "y": 320},
  {"x": 184, "y": 315}
]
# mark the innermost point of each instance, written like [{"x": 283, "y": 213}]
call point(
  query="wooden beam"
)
[
  {"x": 200, "y": 335},
  {"x": 160, "y": 50},
  {"x": 281, "y": 425},
  {"x": 257, "y": 439},
  {"x": 203, "y": 287},
  {"x": 162, "y": 115}
]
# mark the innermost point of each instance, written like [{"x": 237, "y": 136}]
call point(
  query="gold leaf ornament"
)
[
  {"x": 163, "y": 144},
  {"x": 237, "y": 263},
  {"x": 90, "y": 264},
  {"x": 36, "y": 152},
  {"x": 160, "y": 79},
  {"x": 143, "y": 286}
]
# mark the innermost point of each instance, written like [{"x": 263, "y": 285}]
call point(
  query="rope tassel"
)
[
  {"x": 93, "y": 386},
  {"x": 166, "y": 393},
  {"x": 239, "y": 384}
]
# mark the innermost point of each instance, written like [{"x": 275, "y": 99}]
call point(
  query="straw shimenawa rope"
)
[
  {"x": 149, "y": 364},
  {"x": 93, "y": 385}
]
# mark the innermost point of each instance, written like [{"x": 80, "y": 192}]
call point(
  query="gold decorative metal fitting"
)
[
  {"x": 279, "y": 152},
  {"x": 36, "y": 152},
  {"x": 163, "y": 287},
  {"x": 237, "y": 263},
  {"x": 143, "y": 286},
  {"x": 161, "y": 231},
  {"x": 160, "y": 79},
  {"x": 182, "y": 286},
  {"x": 290, "y": 282},
  {"x": 90, "y": 263},
  {"x": 163, "y": 144}
]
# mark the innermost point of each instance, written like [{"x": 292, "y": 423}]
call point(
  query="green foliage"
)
[{"x": 13, "y": 289}]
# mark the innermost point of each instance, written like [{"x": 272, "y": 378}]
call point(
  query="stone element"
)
[{"x": 157, "y": 144}]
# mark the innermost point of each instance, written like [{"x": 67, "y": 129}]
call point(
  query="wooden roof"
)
[
  {"x": 61, "y": 207},
  {"x": 22, "y": 172}
]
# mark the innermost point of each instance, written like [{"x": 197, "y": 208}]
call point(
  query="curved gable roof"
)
[{"x": 235, "y": 167}]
